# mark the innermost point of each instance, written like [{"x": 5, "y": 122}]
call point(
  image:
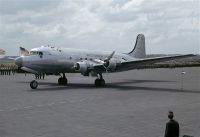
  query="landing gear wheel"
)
[
  {"x": 34, "y": 84},
  {"x": 99, "y": 82},
  {"x": 102, "y": 81},
  {"x": 65, "y": 81},
  {"x": 62, "y": 81}
]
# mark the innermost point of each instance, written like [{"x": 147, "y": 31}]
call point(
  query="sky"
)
[{"x": 169, "y": 26}]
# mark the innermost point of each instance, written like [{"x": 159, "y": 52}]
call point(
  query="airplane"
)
[
  {"x": 23, "y": 51},
  {"x": 52, "y": 60},
  {"x": 2, "y": 53}
]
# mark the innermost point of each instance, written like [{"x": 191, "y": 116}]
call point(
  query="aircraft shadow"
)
[{"x": 122, "y": 86}]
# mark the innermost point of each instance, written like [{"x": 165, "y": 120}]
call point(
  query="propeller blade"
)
[
  {"x": 110, "y": 56},
  {"x": 106, "y": 62}
]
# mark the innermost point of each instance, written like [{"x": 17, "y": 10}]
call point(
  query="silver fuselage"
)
[{"x": 56, "y": 61}]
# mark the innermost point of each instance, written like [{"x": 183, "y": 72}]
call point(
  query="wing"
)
[{"x": 140, "y": 63}]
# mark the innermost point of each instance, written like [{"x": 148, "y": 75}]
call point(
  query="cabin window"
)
[{"x": 33, "y": 53}]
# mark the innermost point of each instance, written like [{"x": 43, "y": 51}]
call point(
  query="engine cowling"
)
[
  {"x": 112, "y": 64},
  {"x": 82, "y": 67}
]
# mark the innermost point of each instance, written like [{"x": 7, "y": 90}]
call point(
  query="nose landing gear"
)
[{"x": 34, "y": 84}]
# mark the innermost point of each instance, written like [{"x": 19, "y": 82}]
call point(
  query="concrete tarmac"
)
[{"x": 132, "y": 104}]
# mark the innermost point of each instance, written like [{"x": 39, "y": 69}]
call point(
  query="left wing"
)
[{"x": 139, "y": 64}]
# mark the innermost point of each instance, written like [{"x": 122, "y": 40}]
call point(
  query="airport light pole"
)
[{"x": 182, "y": 75}]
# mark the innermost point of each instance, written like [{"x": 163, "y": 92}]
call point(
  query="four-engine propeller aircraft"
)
[{"x": 64, "y": 60}]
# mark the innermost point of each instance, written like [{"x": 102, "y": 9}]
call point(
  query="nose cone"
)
[{"x": 19, "y": 61}]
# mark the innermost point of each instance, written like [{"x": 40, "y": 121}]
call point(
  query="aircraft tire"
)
[
  {"x": 99, "y": 82},
  {"x": 34, "y": 84},
  {"x": 62, "y": 81},
  {"x": 102, "y": 82}
]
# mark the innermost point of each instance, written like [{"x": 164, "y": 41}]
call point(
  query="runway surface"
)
[{"x": 133, "y": 104}]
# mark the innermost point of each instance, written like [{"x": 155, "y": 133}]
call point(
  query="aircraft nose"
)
[{"x": 19, "y": 61}]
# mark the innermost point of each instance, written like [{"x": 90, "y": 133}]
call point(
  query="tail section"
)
[{"x": 139, "y": 49}]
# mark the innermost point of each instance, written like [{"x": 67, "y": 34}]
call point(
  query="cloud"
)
[
  {"x": 170, "y": 26},
  {"x": 15, "y": 6}
]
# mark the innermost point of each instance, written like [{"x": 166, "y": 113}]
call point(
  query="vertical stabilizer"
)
[{"x": 139, "y": 49}]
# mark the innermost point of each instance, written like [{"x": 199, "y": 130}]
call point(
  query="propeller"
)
[
  {"x": 106, "y": 62},
  {"x": 109, "y": 57}
]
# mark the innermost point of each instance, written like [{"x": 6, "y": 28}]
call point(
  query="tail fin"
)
[{"x": 139, "y": 49}]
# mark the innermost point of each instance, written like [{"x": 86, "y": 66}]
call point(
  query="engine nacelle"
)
[
  {"x": 112, "y": 64},
  {"x": 82, "y": 67}
]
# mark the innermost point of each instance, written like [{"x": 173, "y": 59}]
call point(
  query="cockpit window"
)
[
  {"x": 33, "y": 53},
  {"x": 40, "y": 53}
]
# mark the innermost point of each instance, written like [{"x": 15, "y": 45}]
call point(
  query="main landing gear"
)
[
  {"x": 63, "y": 80},
  {"x": 99, "y": 82}
]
